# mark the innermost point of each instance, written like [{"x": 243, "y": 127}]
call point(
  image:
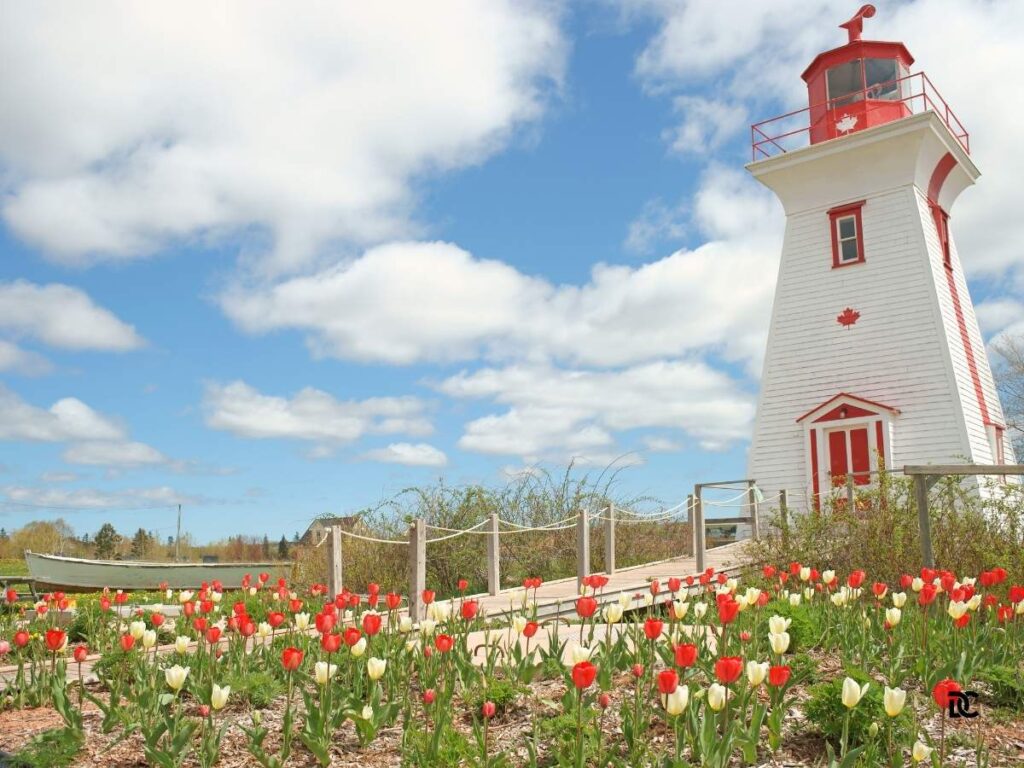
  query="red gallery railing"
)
[{"x": 853, "y": 112}]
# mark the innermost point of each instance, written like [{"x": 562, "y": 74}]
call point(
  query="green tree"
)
[
  {"x": 42, "y": 536},
  {"x": 266, "y": 547},
  {"x": 282, "y": 548},
  {"x": 142, "y": 543},
  {"x": 106, "y": 542}
]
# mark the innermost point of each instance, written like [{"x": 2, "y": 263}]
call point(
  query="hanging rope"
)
[{"x": 372, "y": 539}]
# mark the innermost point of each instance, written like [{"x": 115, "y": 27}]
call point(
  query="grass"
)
[{"x": 13, "y": 566}]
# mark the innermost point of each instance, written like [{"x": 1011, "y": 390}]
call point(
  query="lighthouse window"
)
[
  {"x": 847, "y": 234},
  {"x": 880, "y": 77},
  {"x": 846, "y": 83}
]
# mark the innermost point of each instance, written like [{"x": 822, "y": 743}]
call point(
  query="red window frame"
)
[
  {"x": 941, "y": 219},
  {"x": 842, "y": 212}
]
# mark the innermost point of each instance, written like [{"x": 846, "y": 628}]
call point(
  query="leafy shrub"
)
[
  {"x": 453, "y": 748},
  {"x": 804, "y": 630},
  {"x": 825, "y": 709},
  {"x": 502, "y": 692},
  {"x": 54, "y": 748},
  {"x": 558, "y": 733},
  {"x": 1005, "y": 685},
  {"x": 257, "y": 688}
]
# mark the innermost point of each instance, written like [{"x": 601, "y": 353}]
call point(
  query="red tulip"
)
[
  {"x": 81, "y": 653},
  {"x": 655, "y": 587},
  {"x": 429, "y": 696},
  {"x": 373, "y": 588},
  {"x": 963, "y": 621},
  {"x": 392, "y": 600},
  {"x": 157, "y": 619},
  {"x": 928, "y": 575},
  {"x": 794, "y": 568},
  {"x": 428, "y": 596},
  {"x": 468, "y": 609},
  {"x": 21, "y": 638},
  {"x": 247, "y": 627},
  {"x": 583, "y": 675},
  {"x": 371, "y": 623},
  {"x": 1004, "y": 613},
  {"x": 927, "y": 594},
  {"x": 947, "y": 580},
  {"x": 104, "y": 604},
  {"x": 778, "y": 676},
  {"x": 855, "y": 579},
  {"x": 768, "y": 571},
  {"x": 121, "y": 598},
  {"x": 586, "y": 606},
  {"x": 488, "y": 709},
  {"x": 1000, "y": 573},
  {"x": 728, "y": 610},
  {"x": 668, "y": 681},
  {"x": 744, "y": 636},
  {"x": 275, "y": 619},
  {"x": 11, "y": 596},
  {"x": 728, "y": 669},
  {"x": 987, "y": 579},
  {"x": 199, "y": 624},
  {"x": 264, "y": 578},
  {"x": 55, "y": 639},
  {"x": 331, "y": 642},
  {"x": 905, "y": 581},
  {"x": 674, "y": 584},
  {"x": 212, "y": 635},
  {"x": 530, "y": 629},
  {"x": 291, "y": 659},
  {"x": 463, "y": 585},
  {"x": 188, "y": 608},
  {"x": 637, "y": 670},
  {"x": 127, "y": 643},
  {"x": 604, "y": 701},
  {"x": 686, "y": 655},
  {"x": 324, "y": 623},
  {"x": 294, "y": 606},
  {"x": 942, "y": 690},
  {"x": 652, "y": 628},
  {"x": 352, "y": 636},
  {"x": 879, "y": 589},
  {"x": 762, "y": 599},
  {"x": 444, "y": 643}
]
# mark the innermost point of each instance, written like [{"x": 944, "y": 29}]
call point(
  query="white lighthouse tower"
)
[{"x": 874, "y": 356}]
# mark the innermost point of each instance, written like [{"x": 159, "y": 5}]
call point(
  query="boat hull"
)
[{"x": 79, "y": 575}]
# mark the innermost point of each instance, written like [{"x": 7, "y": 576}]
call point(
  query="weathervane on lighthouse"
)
[{"x": 867, "y": 174}]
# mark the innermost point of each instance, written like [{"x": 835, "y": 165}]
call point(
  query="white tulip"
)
[
  {"x": 899, "y": 599},
  {"x": 375, "y": 667},
  {"x": 405, "y": 625},
  {"x": 779, "y": 642},
  {"x": 148, "y": 639},
  {"x": 137, "y": 629},
  {"x": 625, "y": 600},
  {"x": 699, "y": 610},
  {"x": 752, "y": 596},
  {"x": 648, "y": 599},
  {"x": 301, "y": 621},
  {"x": 252, "y": 591},
  {"x": 367, "y": 712},
  {"x": 1019, "y": 610},
  {"x": 827, "y": 577},
  {"x": 169, "y": 595},
  {"x": 794, "y": 599},
  {"x": 519, "y": 624},
  {"x": 216, "y": 597},
  {"x": 359, "y": 648},
  {"x": 264, "y": 630},
  {"x": 838, "y": 599},
  {"x": 427, "y": 626},
  {"x": 756, "y": 673},
  {"x": 679, "y": 609},
  {"x": 578, "y": 653},
  {"x": 181, "y": 644},
  {"x": 676, "y": 701},
  {"x": 893, "y": 616},
  {"x": 613, "y": 613},
  {"x": 956, "y": 609},
  {"x": 974, "y": 603},
  {"x": 852, "y": 692},
  {"x": 323, "y": 672},
  {"x": 777, "y": 624},
  {"x": 917, "y": 584},
  {"x": 219, "y": 696},
  {"x": 894, "y": 699},
  {"x": 805, "y": 573},
  {"x": 808, "y": 593},
  {"x": 184, "y": 596},
  {"x": 920, "y": 752},
  {"x": 175, "y": 676},
  {"x": 716, "y": 696}
]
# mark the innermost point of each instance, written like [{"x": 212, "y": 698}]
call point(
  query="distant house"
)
[{"x": 322, "y": 526}]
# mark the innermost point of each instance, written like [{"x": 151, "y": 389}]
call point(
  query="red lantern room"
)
[{"x": 858, "y": 85}]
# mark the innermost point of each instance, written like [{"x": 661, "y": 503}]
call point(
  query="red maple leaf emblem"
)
[{"x": 848, "y": 317}]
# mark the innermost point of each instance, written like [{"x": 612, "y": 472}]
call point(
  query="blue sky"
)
[{"x": 284, "y": 267}]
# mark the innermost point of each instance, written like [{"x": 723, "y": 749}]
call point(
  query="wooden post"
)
[
  {"x": 334, "y": 569},
  {"x": 693, "y": 525},
  {"x": 417, "y": 567},
  {"x": 755, "y": 522},
  {"x": 849, "y": 493},
  {"x": 582, "y": 548},
  {"x": 609, "y": 541},
  {"x": 698, "y": 518},
  {"x": 924, "y": 520},
  {"x": 784, "y": 516},
  {"x": 493, "y": 557}
]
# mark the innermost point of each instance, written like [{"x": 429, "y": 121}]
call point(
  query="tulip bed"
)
[{"x": 784, "y": 665}]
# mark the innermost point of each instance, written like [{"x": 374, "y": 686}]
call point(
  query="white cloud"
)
[
  {"x": 91, "y": 498},
  {"x": 657, "y": 221},
  {"x": 311, "y": 415},
  {"x": 59, "y": 477},
  {"x": 62, "y": 316},
  {"x": 129, "y": 126},
  {"x": 705, "y": 125},
  {"x": 409, "y": 454},
  {"x": 14, "y": 359},
  {"x": 656, "y": 444},
  {"x": 562, "y": 414},
  {"x": 66, "y": 420},
  {"x": 411, "y": 302},
  {"x": 114, "y": 454}
]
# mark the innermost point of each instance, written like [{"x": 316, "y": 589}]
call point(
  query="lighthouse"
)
[{"x": 874, "y": 356}]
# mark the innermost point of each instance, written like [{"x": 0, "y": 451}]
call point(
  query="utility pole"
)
[{"x": 177, "y": 539}]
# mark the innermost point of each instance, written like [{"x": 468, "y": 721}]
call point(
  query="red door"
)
[{"x": 848, "y": 452}]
